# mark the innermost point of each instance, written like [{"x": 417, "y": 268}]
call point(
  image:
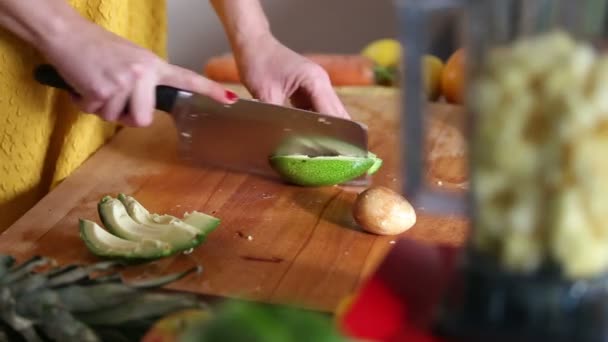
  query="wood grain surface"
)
[{"x": 277, "y": 242}]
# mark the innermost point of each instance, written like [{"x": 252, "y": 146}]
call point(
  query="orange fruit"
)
[{"x": 453, "y": 78}]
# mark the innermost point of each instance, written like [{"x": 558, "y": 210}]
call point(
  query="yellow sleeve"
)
[{"x": 43, "y": 137}]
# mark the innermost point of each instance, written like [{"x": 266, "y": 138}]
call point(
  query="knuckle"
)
[
  {"x": 107, "y": 114},
  {"x": 87, "y": 108},
  {"x": 318, "y": 73},
  {"x": 88, "y": 105},
  {"x": 144, "y": 62},
  {"x": 193, "y": 82},
  {"x": 142, "y": 119},
  {"x": 101, "y": 93},
  {"x": 132, "y": 71},
  {"x": 123, "y": 80}
]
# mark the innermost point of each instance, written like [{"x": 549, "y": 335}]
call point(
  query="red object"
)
[
  {"x": 399, "y": 300},
  {"x": 231, "y": 96}
]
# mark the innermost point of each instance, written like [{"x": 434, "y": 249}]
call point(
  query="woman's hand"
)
[
  {"x": 107, "y": 71},
  {"x": 274, "y": 73},
  {"x": 270, "y": 71}
]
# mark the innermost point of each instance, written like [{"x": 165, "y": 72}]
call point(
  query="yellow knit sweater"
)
[{"x": 43, "y": 137}]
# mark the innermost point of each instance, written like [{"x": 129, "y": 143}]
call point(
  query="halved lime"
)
[{"x": 323, "y": 170}]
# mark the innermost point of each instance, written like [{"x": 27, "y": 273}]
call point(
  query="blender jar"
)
[{"x": 536, "y": 263}]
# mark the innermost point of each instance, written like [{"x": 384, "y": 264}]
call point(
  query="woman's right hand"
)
[{"x": 107, "y": 71}]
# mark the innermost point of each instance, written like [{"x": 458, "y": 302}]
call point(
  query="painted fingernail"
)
[{"x": 231, "y": 96}]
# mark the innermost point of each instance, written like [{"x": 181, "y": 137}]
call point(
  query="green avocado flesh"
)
[
  {"x": 376, "y": 166},
  {"x": 133, "y": 232},
  {"x": 321, "y": 161},
  {"x": 104, "y": 244},
  {"x": 323, "y": 170},
  {"x": 196, "y": 223}
]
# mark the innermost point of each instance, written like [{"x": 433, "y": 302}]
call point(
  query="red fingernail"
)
[{"x": 231, "y": 96}]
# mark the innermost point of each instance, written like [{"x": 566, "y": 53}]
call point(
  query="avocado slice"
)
[
  {"x": 103, "y": 244},
  {"x": 117, "y": 220},
  {"x": 376, "y": 165},
  {"x": 196, "y": 222}
]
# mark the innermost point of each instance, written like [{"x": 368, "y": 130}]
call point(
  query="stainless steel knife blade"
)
[{"x": 242, "y": 136}]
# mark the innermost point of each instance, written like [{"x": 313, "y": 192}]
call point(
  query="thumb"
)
[{"x": 188, "y": 80}]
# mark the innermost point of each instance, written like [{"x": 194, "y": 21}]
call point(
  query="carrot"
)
[
  {"x": 343, "y": 70},
  {"x": 346, "y": 70},
  {"x": 222, "y": 69}
]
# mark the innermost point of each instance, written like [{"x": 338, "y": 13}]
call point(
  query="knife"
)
[{"x": 242, "y": 136}]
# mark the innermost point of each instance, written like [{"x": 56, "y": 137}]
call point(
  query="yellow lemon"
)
[
  {"x": 432, "y": 69},
  {"x": 384, "y": 52}
]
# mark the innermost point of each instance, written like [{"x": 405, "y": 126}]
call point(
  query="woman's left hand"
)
[{"x": 273, "y": 73}]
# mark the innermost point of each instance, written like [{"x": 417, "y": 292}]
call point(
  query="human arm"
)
[
  {"x": 269, "y": 70},
  {"x": 105, "y": 69}
]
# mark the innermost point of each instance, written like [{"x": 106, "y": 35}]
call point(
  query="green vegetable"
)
[{"x": 251, "y": 322}]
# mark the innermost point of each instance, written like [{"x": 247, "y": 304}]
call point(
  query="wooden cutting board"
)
[{"x": 276, "y": 242}]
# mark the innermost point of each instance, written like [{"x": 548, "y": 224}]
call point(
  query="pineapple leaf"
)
[
  {"x": 27, "y": 284},
  {"x": 60, "y": 325},
  {"x": 145, "y": 305},
  {"x": 57, "y": 323},
  {"x": 69, "y": 303},
  {"x": 60, "y": 270},
  {"x": 105, "y": 279},
  {"x": 80, "y": 273},
  {"x": 161, "y": 281},
  {"x": 3, "y": 337},
  {"x": 78, "y": 298},
  {"x": 34, "y": 305},
  {"x": 24, "y": 269},
  {"x": 6, "y": 262},
  {"x": 20, "y": 324}
]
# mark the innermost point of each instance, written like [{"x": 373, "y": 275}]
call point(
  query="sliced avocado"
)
[
  {"x": 376, "y": 165},
  {"x": 118, "y": 221},
  {"x": 104, "y": 244},
  {"x": 196, "y": 222},
  {"x": 203, "y": 222}
]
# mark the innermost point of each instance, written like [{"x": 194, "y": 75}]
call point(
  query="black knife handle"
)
[{"x": 47, "y": 75}]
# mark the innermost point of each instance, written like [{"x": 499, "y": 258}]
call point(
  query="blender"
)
[{"x": 535, "y": 265}]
